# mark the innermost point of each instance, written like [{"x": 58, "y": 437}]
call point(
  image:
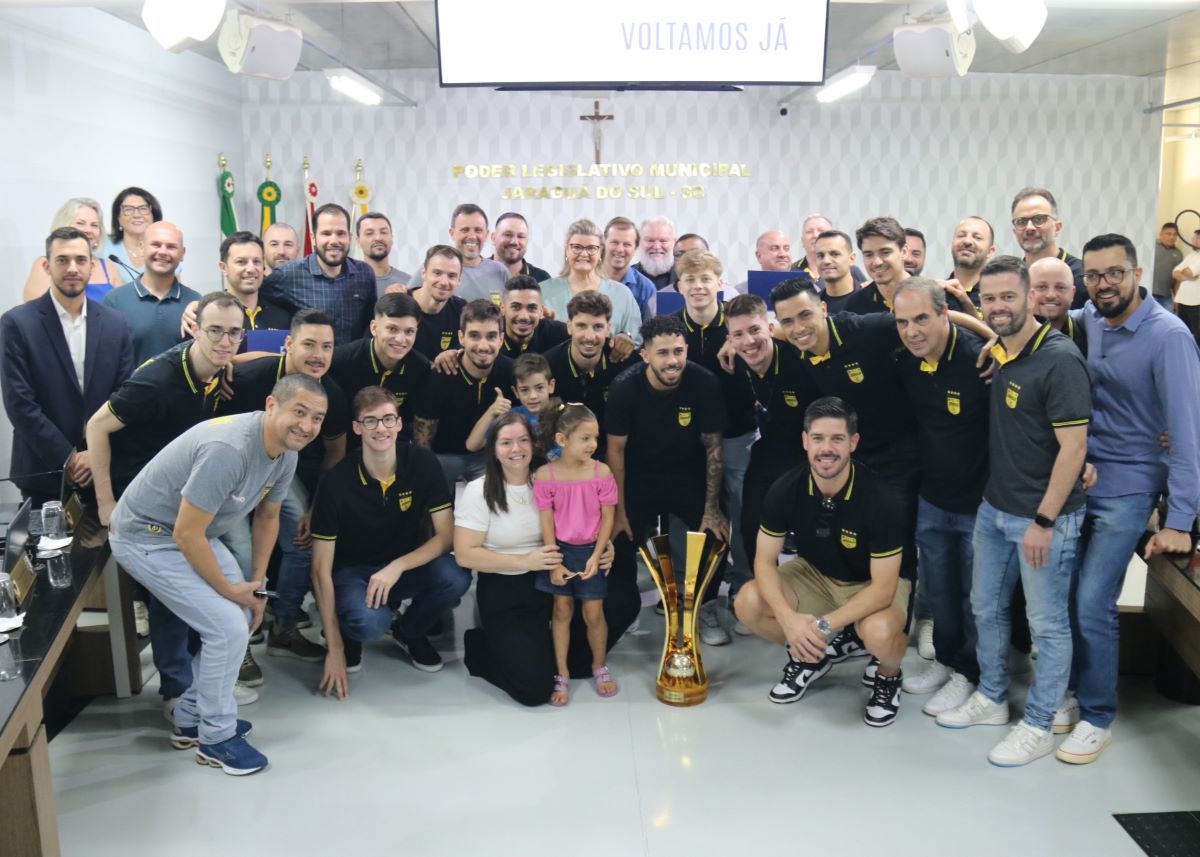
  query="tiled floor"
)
[{"x": 429, "y": 765}]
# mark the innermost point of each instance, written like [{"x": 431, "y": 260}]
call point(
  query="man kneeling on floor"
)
[
  {"x": 382, "y": 530},
  {"x": 165, "y": 532},
  {"x": 849, "y": 538}
]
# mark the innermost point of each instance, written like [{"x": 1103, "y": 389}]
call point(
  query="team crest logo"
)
[
  {"x": 605, "y": 395},
  {"x": 446, "y": 337},
  {"x": 685, "y": 417},
  {"x": 400, "y": 399},
  {"x": 849, "y": 540},
  {"x": 405, "y": 501},
  {"x": 855, "y": 372},
  {"x": 153, "y": 529},
  {"x": 789, "y": 399},
  {"x": 496, "y": 298},
  {"x": 953, "y": 403},
  {"x": 1012, "y": 394}
]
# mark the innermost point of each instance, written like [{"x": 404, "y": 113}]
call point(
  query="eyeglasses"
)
[
  {"x": 584, "y": 249},
  {"x": 1036, "y": 220},
  {"x": 372, "y": 423},
  {"x": 825, "y": 517},
  {"x": 1113, "y": 276},
  {"x": 129, "y": 210},
  {"x": 216, "y": 334}
]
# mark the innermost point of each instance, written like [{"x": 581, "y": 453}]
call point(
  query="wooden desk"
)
[{"x": 1173, "y": 603}]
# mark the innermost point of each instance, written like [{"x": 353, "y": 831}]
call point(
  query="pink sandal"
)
[
  {"x": 562, "y": 684},
  {"x": 601, "y": 675}
]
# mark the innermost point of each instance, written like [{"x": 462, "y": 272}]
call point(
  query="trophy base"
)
[{"x": 682, "y": 697}]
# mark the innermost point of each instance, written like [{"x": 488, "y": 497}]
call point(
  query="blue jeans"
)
[
  {"x": 1111, "y": 529},
  {"x": 736, "y": 453},
  {"x": 575, "y": 558},
  {"x": 946, "y": 556},
  {"x": 999, "y": 563},
  {"x": 434, "y": 588},
  {"x": 295, "y": 564}
]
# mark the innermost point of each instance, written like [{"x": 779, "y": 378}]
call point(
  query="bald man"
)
[
  {"x": 773, "y": 251},
  {"x": 974, "y": 243},
  {"x": 153, "y": 304},
  {"x": 1053, "y": 287},
  {"x": 280, "y": 244}
]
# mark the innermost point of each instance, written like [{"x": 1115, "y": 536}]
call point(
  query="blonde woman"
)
[{"x": 83, "y": 214}]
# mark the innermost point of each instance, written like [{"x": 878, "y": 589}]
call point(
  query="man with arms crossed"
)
[{"x": 165, "y": 531}]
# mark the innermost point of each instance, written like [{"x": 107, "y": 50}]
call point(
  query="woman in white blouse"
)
[{"x": 497, "y": 532}]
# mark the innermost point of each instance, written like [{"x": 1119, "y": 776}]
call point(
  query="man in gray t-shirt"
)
[
  {"x": 165, "y": 531},
  {"x": 481, "y": 278}
]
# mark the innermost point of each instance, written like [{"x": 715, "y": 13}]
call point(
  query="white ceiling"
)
[{"x": 1127, "y": 37}]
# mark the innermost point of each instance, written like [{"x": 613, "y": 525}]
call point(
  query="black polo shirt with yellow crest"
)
[
  {"x": 458, "y": 401},
  {"x": 375, "y": 522},
  {"x": 159, "y": 402},
  {"x": 573, "y": 383},
  {"x": 704, "y": 342},
  {"x": 867, "y": 301},
  {"x": 356, "y": 365},
  {"x": 438, "y": 332},
  {"x": 547, "y": 333},
  {"x": 838, "y": 536},
  {"x": 861, "y": 369},
  {"x": 950, "y": 401},
  {"x": 781, "y": 395},
  {"x": 1043, "y": 387},
  {"x": 664, "y": 427}
]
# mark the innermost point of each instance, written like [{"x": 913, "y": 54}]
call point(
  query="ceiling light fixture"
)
[
  {"x": 354, "y": 86},
  {"x": 960, "y": 14},
  {"x": 847, "y": 80},
  {"x": 178, "y": 25},
  {"x": 1014, "y": 23}
]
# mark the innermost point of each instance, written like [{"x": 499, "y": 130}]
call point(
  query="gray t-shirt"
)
[
  {"x": 1165, "y": 260},
  {"x": 394, "y": 275},
  {"x": 220, "y": 466},
  {"x": 485, "y": 280}
]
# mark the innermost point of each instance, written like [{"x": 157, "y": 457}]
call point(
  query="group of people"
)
[{"x": 990, "y": 446}]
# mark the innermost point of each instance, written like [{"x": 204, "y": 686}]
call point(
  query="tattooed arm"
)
[
  {"x": 424, "y": 431},
  {"x": 714, "y": 478}
]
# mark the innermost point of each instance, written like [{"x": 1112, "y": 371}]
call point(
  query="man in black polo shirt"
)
[
  {"x": 884, "y": 248},
  {"x": 1029, "y": 523},
  {"x": 308, "y": 350},
  {"x": 972, "y": 246},
  {"x": 583, "y": 367},
  {"x": 704, "y": 321},
  {"x": 454, "y": 403},
  {"x": 242, "y": 267},
  {"x": 386, "y": 358},
  {"x": 1037, "y": 227},
  {"x": 524, "y": 327},
  {"x": 950, "y": 401},
  {"x": 441, "y": 307},
  {"x": 372, "y": 547},
  {"x": 165, "y": 397},
  {"x": 849, "y": 541},
  {"x": 1053, "y": 288},
  {"x": 510, "y": 237},
  {"x": 664, "y": 437}
]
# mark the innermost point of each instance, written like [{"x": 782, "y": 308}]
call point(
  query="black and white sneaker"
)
[
  {"x": 421, "y": 652},
  {"x": 797, "y": 678},
  {"x": 884, "y": 703},
  {"x": 844, "y": 646},
  {"x": 869, "y": 672},
  {"x": 353, "y": 651}
]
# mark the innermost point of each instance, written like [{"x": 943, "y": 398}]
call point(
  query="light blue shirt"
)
[
  {"x": 626, "y": 317},
  {"x": 1146, "y": 378}
]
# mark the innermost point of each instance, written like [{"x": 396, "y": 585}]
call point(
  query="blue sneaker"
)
[
  {"x": 187, "y": 737},
  {"x": 233, "y": 756}
]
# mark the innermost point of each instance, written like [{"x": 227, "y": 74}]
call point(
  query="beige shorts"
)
[{"x": 818, "y": 595}]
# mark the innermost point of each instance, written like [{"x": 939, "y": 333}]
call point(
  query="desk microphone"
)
[{"x": 133, "y": 275}]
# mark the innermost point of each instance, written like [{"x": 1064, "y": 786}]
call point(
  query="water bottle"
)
[
  {"x": 8, "y": 598},
  {"x": 10, "y": 657},
  {"x": 58, "y": 569},
  {"x": 53, "y": 522}
]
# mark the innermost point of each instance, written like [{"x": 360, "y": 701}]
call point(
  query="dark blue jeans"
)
[
  {"x": 944, "y": 542},
  {"x": 434, "y": 588}
]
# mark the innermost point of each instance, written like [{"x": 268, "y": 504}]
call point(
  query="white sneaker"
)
[
  {"x": 1022, "y": 745},
  {"x": 929, "y": 679},
  {"x": 243, "y": 695},
  {"x": 951, "y": 695},
  {"x": 978, "y": 710},
  {"x": 925, "y": 639},
  {"x": 1066, "y": 715},
  {"x": 1085, "y": 744},
  {"x": 712, "y": 633}
]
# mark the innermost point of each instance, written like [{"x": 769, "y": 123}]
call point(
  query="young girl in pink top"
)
[{"x": 577, "y": 499}]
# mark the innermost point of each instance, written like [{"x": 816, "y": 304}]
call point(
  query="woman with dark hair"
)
[
  {"x": 498, "y": 533},
  {"x": 133, "y": 210}
]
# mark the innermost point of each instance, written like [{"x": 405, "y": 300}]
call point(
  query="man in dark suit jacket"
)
[{"x": 61, "y": 357}]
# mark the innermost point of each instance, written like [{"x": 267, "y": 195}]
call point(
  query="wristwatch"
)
[
  {"x": 1043, "y": 522},
  {"x": 825, "y": 628}
]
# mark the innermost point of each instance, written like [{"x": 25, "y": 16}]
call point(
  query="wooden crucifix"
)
[{"x": 596, "y": 118}]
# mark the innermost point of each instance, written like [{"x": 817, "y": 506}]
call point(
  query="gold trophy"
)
[{"x": 681, "y": 677}]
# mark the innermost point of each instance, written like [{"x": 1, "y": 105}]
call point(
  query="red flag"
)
[{"x": 310, "y": 207}]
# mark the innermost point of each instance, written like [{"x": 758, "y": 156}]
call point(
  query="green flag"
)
[{"x": 228, "y": 217}]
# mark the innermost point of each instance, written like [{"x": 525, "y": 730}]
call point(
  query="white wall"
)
[
  {"x": 89, "y": 105},
  {"x": 927, "y": 152}
]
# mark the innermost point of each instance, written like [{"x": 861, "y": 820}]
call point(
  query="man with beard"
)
[
  {"x": 621, "y": 240},
  {"x": 453, "y": 404},
  {"x": 327, "y": 279},
  {"x": 509, "y": 240},
  {"x": 914, "y": 241},
  {"x": 481, "y": 278},
  {"x": 833, "y": 254},
  {"x": 1142, "y": 359},
  {"x": 884, "y": 247},
  {"x": 849, "y": 541},
  {"x": 524, "y": 327},
  {"x": 1053, "y": 289},
  {"x": 664, "y": 437},
  {"x": 373, "y": 232},
  {"x": 242, "y": 267},
  {"x": 1167, "y": 256},
  {"x": 656, "y": 256},
  {"x": 972, "y": 246},
  {"x": 1036, "y": 227},
  {"x": 810, "y": 230},
  {"x": 441, "y": 308},
  {"x": 280, "y": 245},
  {"x": 1028, "y": 525}
]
